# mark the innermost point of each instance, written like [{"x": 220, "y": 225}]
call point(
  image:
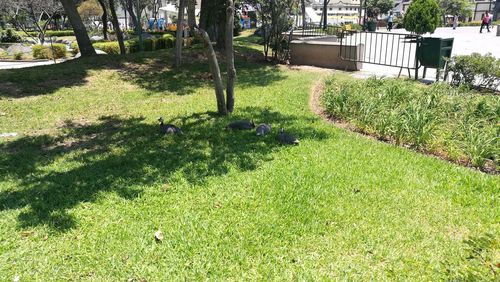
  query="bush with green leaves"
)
[
  {"x": 167, "y": 40},
  {"x": 18, "y": 56},
  {"x": 54, "y": 51},
  {"x": 476, "y": 23},
  {"x": 475, "y": 70},
  {"x": 56, "y": 33},
  {"x": 9, "y": 36},
  {"x": 422, "y": 16},
  {"x": 451, "y": 121},
  {"x": 108, "y": 47}
]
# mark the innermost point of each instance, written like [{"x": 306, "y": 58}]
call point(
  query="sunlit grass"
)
[{"x": 88, "y": 182}]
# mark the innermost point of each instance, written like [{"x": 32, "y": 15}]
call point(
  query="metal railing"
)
[
  {"x": 381, "y": 48},
  {"x": 313, "y": 30}
]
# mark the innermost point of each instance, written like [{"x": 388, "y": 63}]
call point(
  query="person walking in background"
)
[
  {"x": 485, "y": 22},
  {"x": 390, "y": 21},
  {"x": 455, "y": 22}
]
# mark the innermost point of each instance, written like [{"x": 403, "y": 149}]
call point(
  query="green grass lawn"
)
[{"x": 88, "y": 182}]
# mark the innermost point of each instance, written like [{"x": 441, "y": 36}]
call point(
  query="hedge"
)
[
  {"x": 49, "y": 52},
  {"x": 476, "y": 23},
  {"x": 132, "y": 46},
  {"x": 56, "y": 33}
]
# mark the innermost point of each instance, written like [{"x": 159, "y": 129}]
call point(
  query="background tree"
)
[
  {"x": 116, "y": 26},
  {"x": 191, "y": 11},
  {"x": 91, "y": 12},
  {"x": 179, "y": 34},
  {"x": 276, "y": 21},
  {"x": 128, "y": 5},
  {"x": 139, "y": 6},
  {"x": 82, "y": 37},
  {"x": 213, "y": 20},
  {"x": 104, "y": 18},
  {"x": 376, "y": 7},
  {"x": 460, "y": 8},
  {"x": 223, "y": 107},
  {"x": 231, "y": 70},
  {"x": 422, "y": 16},
  {"x": 325, "y": 13},
  {"x": 37, "y": 14}
]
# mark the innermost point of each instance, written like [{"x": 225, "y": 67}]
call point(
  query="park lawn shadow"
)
[
  {"x": 118, "y": 155},
  {"x": 152, "y": 71}
]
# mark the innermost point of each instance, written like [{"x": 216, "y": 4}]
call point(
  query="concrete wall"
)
[{"x": 325, "y": 54}]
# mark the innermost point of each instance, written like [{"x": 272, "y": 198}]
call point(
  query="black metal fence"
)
[
  {"x": 381, "y": 48},
  {"x": 313, "y": 30}
]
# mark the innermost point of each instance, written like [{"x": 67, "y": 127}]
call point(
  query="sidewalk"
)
[{"x": 19, "y": 65}]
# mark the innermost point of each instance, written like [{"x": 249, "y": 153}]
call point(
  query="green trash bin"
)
[
  {"x": 433, "y": 52},
  {"x": 371, "y": 26}
]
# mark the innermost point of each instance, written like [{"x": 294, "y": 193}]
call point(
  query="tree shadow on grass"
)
[
  {"x": 56, "y": 173},
  {"x": 152, "y": 71}
]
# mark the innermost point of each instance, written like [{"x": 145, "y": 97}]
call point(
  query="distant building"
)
[{"x": 338, "y": 11}]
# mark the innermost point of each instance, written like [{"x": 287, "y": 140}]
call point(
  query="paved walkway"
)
[{"x": 19, "y": 65}]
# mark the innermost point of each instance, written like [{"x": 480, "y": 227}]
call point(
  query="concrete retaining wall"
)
[{"x": 324, "y": 54}]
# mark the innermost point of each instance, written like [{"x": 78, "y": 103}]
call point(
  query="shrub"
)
[
  {"x": 422, "y": 16},
  {"x": 439, "y": 118},
  {"x": 476, "y": 70},
  {"x": 108, "y": 47},
  {"x": 18, "y": 56},
  {"x": 478, "y": 140},
  {"x": 169, "y": 40},
  {"x": 476, "y": 23},
  {"x": 74, "y": 47},
  {"x": 9, "y": 36},
  {"x": 56, "y": 51},
  {"x": 56, "y": 33}
]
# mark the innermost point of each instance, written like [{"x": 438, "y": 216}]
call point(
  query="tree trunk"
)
[
  {"x": 138, "y": 27},
  {"x": 213, "y": 20},
  {"x": 130, "y": 9},
  {"x": 231, "y": 71},
  {"x": 214, "y": 69},
  {"x": 204, "y": 14},
  {"x": 325, "y": 13},
  {"x": 104, "y": 19},
  {"x": 116, "y": 26},
  {"x": 179, "y": 34},
  {"x": 221, "y": 33},
  {"x": 191, "y": 14},
  {"x": 82, "y": 37},
  {"x": 303, "y": 3}
]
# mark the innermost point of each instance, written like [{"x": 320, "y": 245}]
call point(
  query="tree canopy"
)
[
  {"x": 422, "y": 16},
  {"x": 377, "y": 7}
]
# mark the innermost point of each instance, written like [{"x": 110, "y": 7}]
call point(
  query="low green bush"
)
[
  {"x": 18, "y": 56},
  {"x": 451, "y": 121},
  {"x": 54, "y": 51},
  {"x": 167, "y": 40},
  {"x": 56, "y": 33},
  {"x": 475, "y": 70},
  {"x": 476, "y": 23},
  {"x": 9, "y": 36},
  {"x": 109, "y": 47}
]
